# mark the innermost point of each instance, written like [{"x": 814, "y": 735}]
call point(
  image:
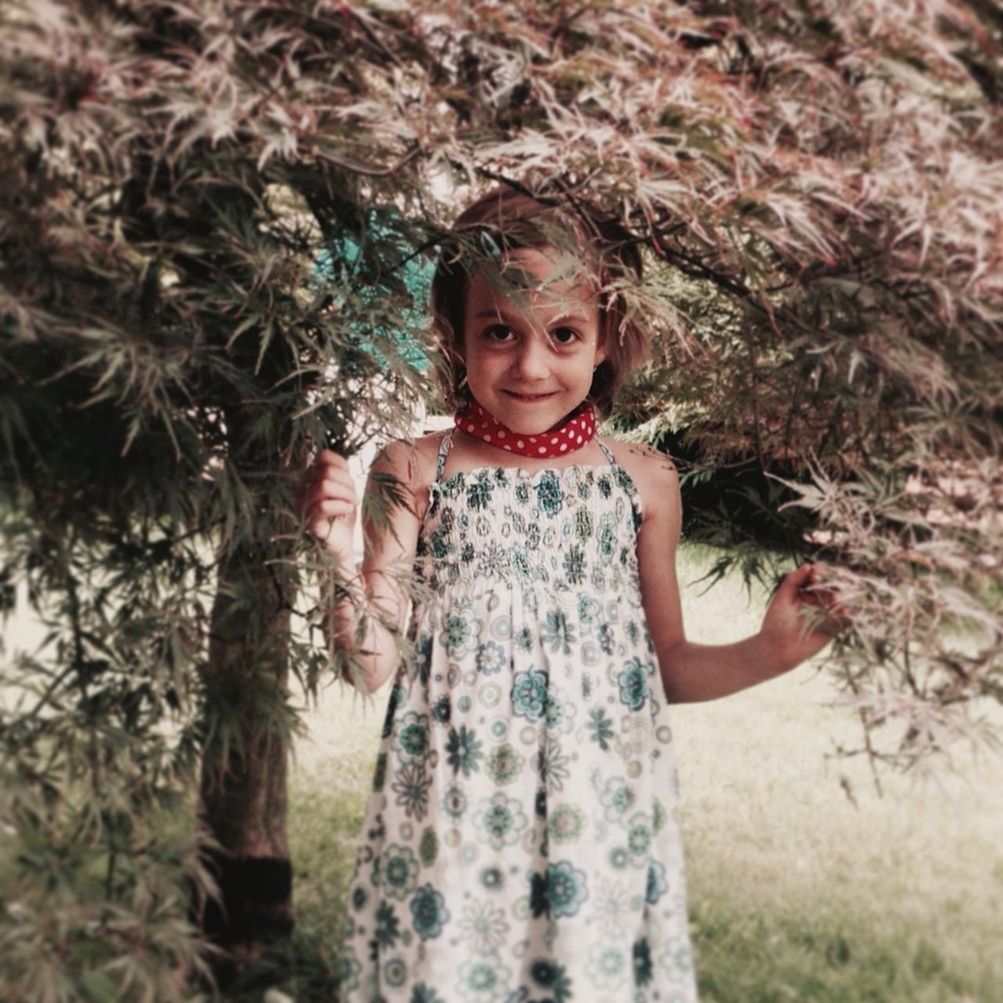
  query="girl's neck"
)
[
  {"x": 470, "y": 453},
  {"x": 573, "y": 433}
]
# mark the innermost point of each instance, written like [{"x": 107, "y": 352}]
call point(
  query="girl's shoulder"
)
[
  {"x": 411, "y": 462},
  {"x": 635, "y": 457},
  {"x": 653, "y": 473}
]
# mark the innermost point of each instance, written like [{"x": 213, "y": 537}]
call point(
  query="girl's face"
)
[{"x": 530, "y": 353}]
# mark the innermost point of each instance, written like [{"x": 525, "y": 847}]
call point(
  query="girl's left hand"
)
[{"x": 791, "y": 635}]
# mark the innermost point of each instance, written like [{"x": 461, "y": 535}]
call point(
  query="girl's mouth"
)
[{"x": 529, "y": 398}]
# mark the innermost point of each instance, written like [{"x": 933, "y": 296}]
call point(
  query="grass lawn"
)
[{"x": 797, "y": 892}]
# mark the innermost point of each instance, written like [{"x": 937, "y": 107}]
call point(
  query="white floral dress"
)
[{"x": 520, "y": 842}]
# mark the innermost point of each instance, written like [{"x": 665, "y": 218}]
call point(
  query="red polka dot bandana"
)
[{"x": 578, "y": 429}]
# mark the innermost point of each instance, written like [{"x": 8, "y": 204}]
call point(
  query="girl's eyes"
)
[
  {"x": 498, "y": 332},
  {"x": 564, "y": 335},
  {"x": 502, "y": 333}
]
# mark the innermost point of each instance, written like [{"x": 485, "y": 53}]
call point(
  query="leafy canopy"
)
[{"x": 818, "y": 189}]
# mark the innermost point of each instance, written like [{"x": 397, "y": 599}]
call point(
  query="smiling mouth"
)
[{"x": 529, "y": 397}]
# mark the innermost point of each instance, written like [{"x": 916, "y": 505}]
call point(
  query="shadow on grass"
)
[
  {"x": 762, "y": 958},
  {"x": 326, "y": 814},
  {"x": 301, "y": 969},
  {"x": 746, "y": 952}
]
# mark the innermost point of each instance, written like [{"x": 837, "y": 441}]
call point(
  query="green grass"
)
[
  {"x": 326, "y": 832},
  {"x": 800, "y": 891},
  {"x": 797, "y": 892}
]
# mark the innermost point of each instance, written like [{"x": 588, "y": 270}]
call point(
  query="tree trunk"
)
[{"x": 243, "y": 785}]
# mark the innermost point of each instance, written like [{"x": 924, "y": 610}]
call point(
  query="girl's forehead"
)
[{"x": 546, "y": 274}]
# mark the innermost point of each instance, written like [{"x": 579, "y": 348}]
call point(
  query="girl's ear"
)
[
  {"x": 600, "y": 349},
  {"x": 458, "y": 376}
]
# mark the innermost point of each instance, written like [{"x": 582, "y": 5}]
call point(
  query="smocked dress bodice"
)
[{"x": 564, "y": 529}]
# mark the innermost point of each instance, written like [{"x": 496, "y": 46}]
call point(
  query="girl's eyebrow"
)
[
  {"x": 575, "y": 317},
  {"x": 505, "y": 315}
]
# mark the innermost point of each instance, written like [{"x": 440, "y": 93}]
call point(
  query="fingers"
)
[
  {"x": 328, "y": 472},
  {"x": 806, "y": 578},
  {"x": 331, "y": 499},
  {"x": 329, "y": 458},
  {"x": 326, "y": 466},
  {"x": 826, "y": 599},
  {"x": 326, "y": 463},
  {"x": 800, "y": 585},
  {"x": 333, "y": 486},
  {"x": 333, "y": 507},
  {"x": 327, "y": 493},
  {"x": 793, "y": 582}
]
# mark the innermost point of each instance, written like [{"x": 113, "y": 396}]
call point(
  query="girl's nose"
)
[{"x": 530, "y": 361}]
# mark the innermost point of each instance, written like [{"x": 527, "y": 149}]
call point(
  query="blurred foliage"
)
[{"x": 819, "y": 188}]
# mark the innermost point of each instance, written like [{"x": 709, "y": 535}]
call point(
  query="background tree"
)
[
  {"x": 172, "y": 355},
  {"x": 819, "y": 191}
]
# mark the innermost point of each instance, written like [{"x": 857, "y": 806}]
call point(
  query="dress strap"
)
[
  {"x": 609, "y": 453},
  {"x": 440, "y": 460},
  {"x": 626, "y": 482}
]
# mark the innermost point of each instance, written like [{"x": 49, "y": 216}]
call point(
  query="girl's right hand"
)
[{"x": 328, "y": 504}]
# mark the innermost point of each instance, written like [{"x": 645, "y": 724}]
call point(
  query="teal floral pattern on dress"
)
[
  {"x": 548, "y": 491},
  {"x": 559, "y": 891},
  {"x": 400, "y": 871},
  {"x": 600, "y": 728},
  {"x": 463, "y": 750},
  {"x": 504, "y": 764},
  {"x": 633, "y": 682},
  {"x": 520, "y": 843},
  {"x": 529, "y": 694},
  {"x": 428, "y": 912},
  {"x": 412, "y": 735}
]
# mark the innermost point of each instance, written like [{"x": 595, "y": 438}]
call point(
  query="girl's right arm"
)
[
  {"x": 693, "y": 671},
  {"x": 368, "y": 621}
]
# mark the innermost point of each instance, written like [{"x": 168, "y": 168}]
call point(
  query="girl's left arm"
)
[
  {"x": 367, "y": 620},
  {"x": 705, "y": 671}
]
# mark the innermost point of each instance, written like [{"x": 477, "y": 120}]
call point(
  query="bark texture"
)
[{"x": 244, "y": 803}]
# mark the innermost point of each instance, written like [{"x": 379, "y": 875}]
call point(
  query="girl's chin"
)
[
  {"x": 527, "y": 415},
  {"x": 534, "y": 428}
]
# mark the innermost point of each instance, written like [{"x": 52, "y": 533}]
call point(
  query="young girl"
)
[{"x": 521, "y": 841}]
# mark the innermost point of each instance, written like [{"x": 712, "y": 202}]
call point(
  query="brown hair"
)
[{"x": 506, "y": 219}]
